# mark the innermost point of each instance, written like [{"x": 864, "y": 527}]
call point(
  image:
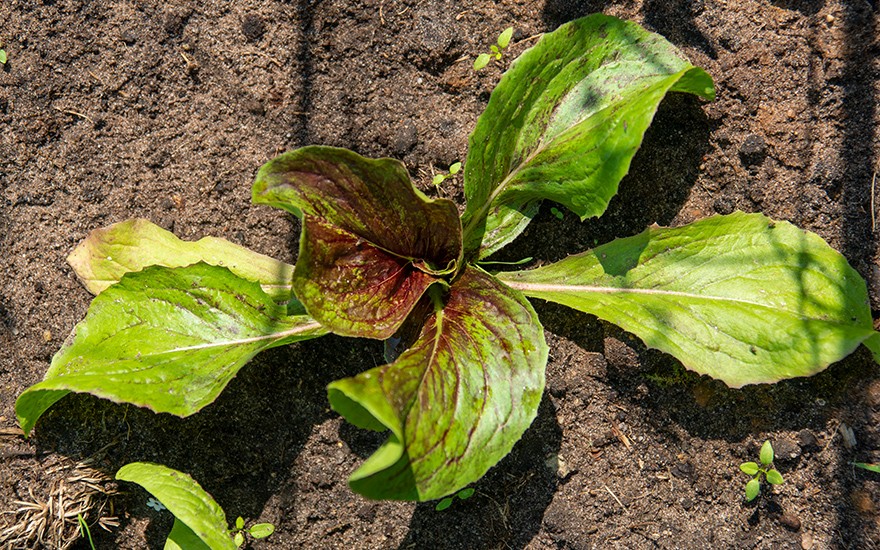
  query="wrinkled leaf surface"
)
[
  {"x": 169, "y": 339},
  {"x": 740, "y": 297},
  {"x": 457, "y": 400},
  {"x": 564, "y": 123},
  {"x": 110, "y": 252}
]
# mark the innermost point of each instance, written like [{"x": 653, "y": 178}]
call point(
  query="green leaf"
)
[
  {"x": 870, "y": 467},
  {"x": 182, "y": 537},
  {"x": 481, "y": 61},
  {"x": 261, "y": 530},
  {"x": 564, "y": 123},
  {"x": 443, "y": 504},
  {"x": 465, "y": 494},
  {"x": 740, "y": 297},
  {"x": 438, "y": 179},
  {"x": 774, "y": 477},
  {"x": 504, "y": 37},
  {"x": 3, "y": 58},
  {"x": 238, "y": 539},
  {"x": 167, "y": 339},
  {"x": 109, "y": 253},
  {"x": 873, "y": 344},
  {"x": 753, "y": 488},
  {"x": 750, "y": 468},
  {"x": 454, "y": 168},
  {"x": 239, "y": 522},
  {"x": 184, "y": 498},
  {"x": 371, "y": 243},
  {"x": 457, "y": 400},
  {"x": 766, "y": 454}
]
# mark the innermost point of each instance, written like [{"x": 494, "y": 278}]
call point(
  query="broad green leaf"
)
[
  {"x": 750, "y": 468},
  {"x": 169, "y": 339},
  {"x": 564, "y": 123},
  {"x": 109, "y": 253},
  {"x": 740, "y": 298},
  {"x": 766, "y": 454},
  {"x": 182, "y": 537},
  {"x": 457, "y": 400},
  {"x": 371, "y": 242},
  {"x": 184, "y": 498},
  {"x": 774, "y": 477},
  {"x": 753, "y": 488},
  {"x": 870, "y": 467}
]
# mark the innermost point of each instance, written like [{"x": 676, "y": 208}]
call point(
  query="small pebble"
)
[
  {"x": 790, "y": 521},
  {"x": 806, "y": 541}
]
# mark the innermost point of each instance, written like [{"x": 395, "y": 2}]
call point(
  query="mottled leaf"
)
[
  {"x": 740, "y": 297},
  {"x": 184, "y": 498},
  {"x": 353, "y": 288},
  {"x": 564, "y": 123},
  {"x": 109, "y": 253},
  {"x": 457, "y": 400},
  {"x": 167, "y": 339},
  {"x": 371, "y": 242}
]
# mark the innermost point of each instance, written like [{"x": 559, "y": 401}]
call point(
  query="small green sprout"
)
[
  {"x": 83, "y": 526},
  {"x": 753, "y": 487},
  {"x": 558, "y": 213},
  {"x": 870, "y": 467},
  {"x": 496, "y": 49},
  {"x": 445, "y": 503},
  {"x": 258, "y": 531},
  {"x": 454, "y": 169},
  {"x": 2, "y": 55}
]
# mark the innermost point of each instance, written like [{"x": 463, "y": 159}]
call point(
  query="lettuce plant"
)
[{"x": 740, "y": 297}]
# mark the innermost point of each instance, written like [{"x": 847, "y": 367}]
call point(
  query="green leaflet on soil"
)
[
  {"x": 182, "y": 537},
  {"x": 371, "y": 242},
  {"x": 564, "y": 123},
  {"x": 169, "y": 339},
  {"x": 457, "y": 400},
  {"x": 109, "y": 253},
  {"x": 190, "y": 504},
  {"x": 740, "y": 297}
]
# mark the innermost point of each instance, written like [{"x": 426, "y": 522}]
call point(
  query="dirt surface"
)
[{"x": 110, "y": 110}]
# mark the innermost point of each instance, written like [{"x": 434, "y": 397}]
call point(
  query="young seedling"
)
[
  {"x": 495, "y": 50},
  {"x": 742, "y": 298},
  {"x": 758, "y": 471},
  {"x": 2, "y": 55},
  {"x": 446, "y": 502},
  {"x": 454, "y": 169},
  {"x": 557, "y": 213},
  {"x": 257, "y": 531},
  {"x": 870, "y": 467},
  {"x": 84, "y": 527}
]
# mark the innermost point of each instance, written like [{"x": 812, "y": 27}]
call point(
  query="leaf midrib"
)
[{"x": 529, "y": 288}]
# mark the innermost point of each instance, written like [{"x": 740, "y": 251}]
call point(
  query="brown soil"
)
[{"x": 110, "y": 110}]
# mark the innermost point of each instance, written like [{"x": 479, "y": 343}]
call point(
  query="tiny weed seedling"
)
[
  {"x": 495, "y": 50},
  {"x": 84, "y": 530},
  {"x": 557, "y": 213},
  {"x": 257, "y": 531},
  {"x": 446, "y": 502},
  {"x": 762, "y": 470},
  {"x": 3, "y": 58},
  {"x": 739, "y": 297},
  {"x": 870, "y": 467},
  {"x": 454, "y": 169}
]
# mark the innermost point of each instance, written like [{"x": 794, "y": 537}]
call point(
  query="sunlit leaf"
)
[
  {"x": 774, "y": 477},
  {"x": 740, "y": 297},
  {"x": 169, "y": 339},
  {"x": 564, "y": 123},
  {"x": 109, "y": 253},
  {"x": 457, "y": 400},
  {"x": 750, "y": 468},
  {"x": 766, "y": 454},
  {"x": 184, "y": 498},
  {"x": 753, "y": 488}
]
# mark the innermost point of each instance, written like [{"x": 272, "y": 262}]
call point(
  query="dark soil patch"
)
[{"x": 166, "y": 110}]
